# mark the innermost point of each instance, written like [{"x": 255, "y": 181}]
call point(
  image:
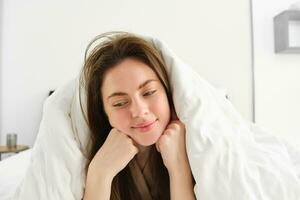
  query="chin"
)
[
  {"x": 147, "y": 142},
  {"x": 150, "y": 138}
]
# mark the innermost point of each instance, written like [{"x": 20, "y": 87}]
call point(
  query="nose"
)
[{"x": 139, "y": 108}]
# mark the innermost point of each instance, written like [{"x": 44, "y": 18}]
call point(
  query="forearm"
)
[
  {"x": 181, "y": 184},
  {"x": 97, "y": 188}
]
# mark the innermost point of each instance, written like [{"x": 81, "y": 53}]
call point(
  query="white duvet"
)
[
  {"x": 231, "y": 159},
  {"x": 12, "y": 171}
]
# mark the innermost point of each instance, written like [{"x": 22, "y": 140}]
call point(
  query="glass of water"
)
[{"x": 11, "y": 140}]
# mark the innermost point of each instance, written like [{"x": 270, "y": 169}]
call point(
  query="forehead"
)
[{"x": 126, "y": 76}]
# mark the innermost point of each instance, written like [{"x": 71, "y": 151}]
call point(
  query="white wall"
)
[
  {"x": 276, "y": 75},
  {"x": 43, "y": 44},
  {"x": 1, "y": 30}
]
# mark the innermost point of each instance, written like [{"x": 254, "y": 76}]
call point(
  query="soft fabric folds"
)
[{"x": 230, "y": 158}]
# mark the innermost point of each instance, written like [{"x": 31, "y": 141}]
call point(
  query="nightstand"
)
[{"x": 17, "y": 149}]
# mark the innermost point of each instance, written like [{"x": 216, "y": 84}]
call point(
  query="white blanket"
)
[
  {"x": 12, "y": 171},
  {"x": 231, "y": 159}
]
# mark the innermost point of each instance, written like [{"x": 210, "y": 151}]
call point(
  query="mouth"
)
[{"x": 145, "y": 126}]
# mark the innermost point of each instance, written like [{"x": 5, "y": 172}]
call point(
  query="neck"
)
[
  {"x": 143, "y": 149},
  {"x": 143, "y": 155}
]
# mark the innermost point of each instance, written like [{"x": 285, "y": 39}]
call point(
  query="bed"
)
[{"x": 12, "y": 171}]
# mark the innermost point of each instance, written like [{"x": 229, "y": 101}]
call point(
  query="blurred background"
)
[{"x": 229, "y": 43}]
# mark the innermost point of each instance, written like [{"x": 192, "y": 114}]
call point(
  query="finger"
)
[
  {"x": 133, "y": 142},
  {"x": 176, "y": 123},
  {"x": 135, "y": 146},
  {"x": 172, "y": 125},
  {"x": 157, "y": 147},
  {"x": 136, "y": 150},
  {"x": 115, "y": 130}
]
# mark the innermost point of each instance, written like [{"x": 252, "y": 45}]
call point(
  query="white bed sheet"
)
[{"x": 12, "y": 171}]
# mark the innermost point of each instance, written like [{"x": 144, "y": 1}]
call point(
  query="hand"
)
[
  {"x": 171, "y": 146},
  {"x": 116, "y": 152}
]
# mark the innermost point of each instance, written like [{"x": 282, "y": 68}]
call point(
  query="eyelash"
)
[
  {"x": 119, "y": 104},
  {"x": 149, "y": 93}
]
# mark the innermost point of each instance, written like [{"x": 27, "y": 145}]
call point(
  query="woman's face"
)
[{"x": 135, "y": 101}]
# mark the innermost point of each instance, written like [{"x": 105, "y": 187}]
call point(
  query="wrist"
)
[
  {"x": 181, "y": 184},
  {"x": 181, "y": 166},
  {"x": 97, "y": 186},
  {"x": 180, "y": 174},
  {"x": 97, "y": 174}
]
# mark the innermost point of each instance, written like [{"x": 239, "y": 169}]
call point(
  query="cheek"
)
[
  {"x": 162, "y": 109},
  {"x": 119, "y": 120}
]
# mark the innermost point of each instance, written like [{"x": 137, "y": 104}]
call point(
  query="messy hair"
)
[{"x": 112, "y": 49}]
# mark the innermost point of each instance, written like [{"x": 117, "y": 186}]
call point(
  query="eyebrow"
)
[{"x": 123, "y": 93}]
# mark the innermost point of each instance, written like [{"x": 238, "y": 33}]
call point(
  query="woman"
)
[{"x": 138, "y": 144}]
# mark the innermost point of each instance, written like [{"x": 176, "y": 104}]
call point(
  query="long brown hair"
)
[{"x": 112, "y": 49}]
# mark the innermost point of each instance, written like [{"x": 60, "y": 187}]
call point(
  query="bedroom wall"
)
[
  {"x": 277, "y": 89},
  {"x": 1, "y": 30},
  {"x": 43, "y": 44}
]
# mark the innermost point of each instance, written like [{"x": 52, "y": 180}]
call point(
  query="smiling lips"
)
[{"x": 145, "y": 126}]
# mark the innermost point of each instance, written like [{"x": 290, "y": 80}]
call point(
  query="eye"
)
[
  {"x": 149, "y": 93},
  {"x": 120, "y": 104}
]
